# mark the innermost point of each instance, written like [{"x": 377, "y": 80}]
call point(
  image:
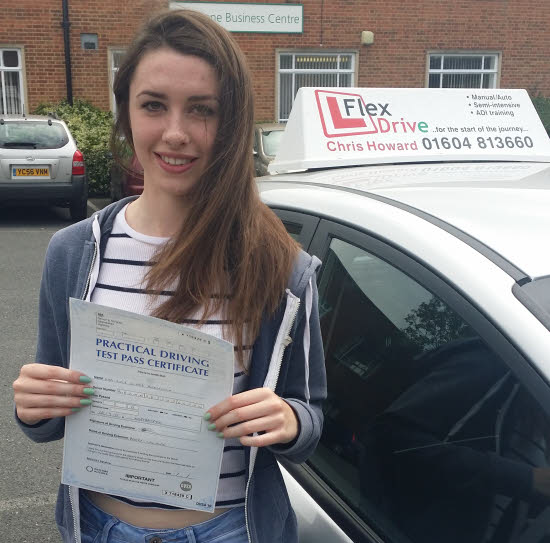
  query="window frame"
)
[
  {"x": 313, "y": 52},
  {"x": 22, "y": 81},
  {"x": 440, "y": 287},
  {"x": 459, "y": 53},
  {"x": 309, "y": 224},
  {"x": 347, "y": 519}
]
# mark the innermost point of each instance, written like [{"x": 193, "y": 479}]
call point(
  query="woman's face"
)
[{"x": 174, "y": 113}]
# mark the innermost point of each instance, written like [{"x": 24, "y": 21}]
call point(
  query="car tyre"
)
[{"x": 78, "y": 208}]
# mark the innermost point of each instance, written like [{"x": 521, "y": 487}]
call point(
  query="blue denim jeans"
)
[{"x": 96, "y": 526}]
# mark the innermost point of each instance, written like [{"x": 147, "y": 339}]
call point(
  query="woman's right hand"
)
[{"x": 44, "y": 392}]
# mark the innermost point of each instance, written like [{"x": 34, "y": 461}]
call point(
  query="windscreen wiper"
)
[{"x": 16, "y": 144}]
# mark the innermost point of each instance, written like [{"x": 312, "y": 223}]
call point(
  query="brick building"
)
[{"x": 372, "y": 43}]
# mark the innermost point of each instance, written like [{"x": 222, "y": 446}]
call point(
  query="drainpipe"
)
[
  {"x": 322, "y": 22},
  {"x": 68, "y": 73}
]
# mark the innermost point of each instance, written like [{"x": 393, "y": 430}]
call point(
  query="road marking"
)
[{"x": 28, "y": 501}]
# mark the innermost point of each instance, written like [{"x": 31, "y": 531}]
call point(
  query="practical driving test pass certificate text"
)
[{"x": 144, "y": 436}]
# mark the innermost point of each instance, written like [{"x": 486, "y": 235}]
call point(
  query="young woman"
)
[{"x": 198, "y": 248}]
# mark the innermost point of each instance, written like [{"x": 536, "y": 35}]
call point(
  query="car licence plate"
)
[{"x": 30, "y": 172}]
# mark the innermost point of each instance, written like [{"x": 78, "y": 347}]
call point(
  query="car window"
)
[
  {"x": 428, "y": 436},
  {"x": 294, "y": 229},
  {"x": 271, "y": 141},
  {"x": 32, "y": 135},
  {"x": 300, "y": 226}
]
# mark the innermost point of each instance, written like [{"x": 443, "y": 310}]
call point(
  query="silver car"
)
[
  {"x": 267, "y": 137},
  {"x": 434, "y": 298},
  {"x": 434, "y": 301},
  {"x": 40, "y": 162}
]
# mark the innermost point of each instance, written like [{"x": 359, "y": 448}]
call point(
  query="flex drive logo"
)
[{"x": 348, "y": 114}]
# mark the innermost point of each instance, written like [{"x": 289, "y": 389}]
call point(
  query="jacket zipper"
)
[
  {"x": 283, "y": 340},
  {"x": 84, "y": 296},
  {"x": 94, "y": 256},
  {"x": 76, "y": 534}
]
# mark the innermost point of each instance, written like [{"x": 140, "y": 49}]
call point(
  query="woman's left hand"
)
[{"x": 257, "y": 410}]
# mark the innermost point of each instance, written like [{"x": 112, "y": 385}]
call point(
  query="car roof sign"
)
[{"x": 332, "y": 127}]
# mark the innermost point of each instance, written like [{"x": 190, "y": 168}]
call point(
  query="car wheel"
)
[{"x": 78, "y": 207}]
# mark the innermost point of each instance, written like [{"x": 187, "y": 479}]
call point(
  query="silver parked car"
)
[
  {"x": 434, "y": 299},
  {"x": 40, "y": 162},
  {"x": 267, "y": 137}
]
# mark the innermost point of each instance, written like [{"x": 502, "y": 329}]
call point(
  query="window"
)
[
  {"x": 116, "y": 56},
  {"x": 428, "y": 435},
  {"x": 271, "y": 140},
  {"x": 462, "y": 71},
  {"x": 300, "y": 226},
  {"x": 311, "y": 70},
  {"x": 32, "y": 135},
  {"x": 89, "y": 41},
  {"x": 11, "y": 88}
]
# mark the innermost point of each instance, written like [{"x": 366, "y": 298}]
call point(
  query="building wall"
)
[
  {"x": 36, "y": 27},
  {"x": 115, "y": 22},
  {"x": 404, "y": 31}
]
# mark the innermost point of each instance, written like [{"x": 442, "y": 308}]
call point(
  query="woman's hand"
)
[
  {"x": 257, "y": 410},
  {"x": 44, "y": 392}
]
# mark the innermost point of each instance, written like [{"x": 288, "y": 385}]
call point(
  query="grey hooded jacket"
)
[{"x": 287, "y": 357}]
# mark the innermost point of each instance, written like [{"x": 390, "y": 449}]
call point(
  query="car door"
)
[{"x": 434, "y": 423}]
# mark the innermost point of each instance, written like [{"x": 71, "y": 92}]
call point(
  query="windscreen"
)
[
  {"x": 271, "y": 141},
  {"x": 32, "y": 135}
]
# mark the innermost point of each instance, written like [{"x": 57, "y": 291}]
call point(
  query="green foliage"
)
[
  {"x": 542, "y": 105},
  {"x": 91, "y": 127},
  {"x": 433, "y": 324}
]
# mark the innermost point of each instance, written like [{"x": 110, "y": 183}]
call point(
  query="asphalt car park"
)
[
  {"x": 40, "y": 163},
  {"x": 434, "y": 297}
]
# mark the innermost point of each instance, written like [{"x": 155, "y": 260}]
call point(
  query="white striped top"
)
[{"x": 127, "y": 259}]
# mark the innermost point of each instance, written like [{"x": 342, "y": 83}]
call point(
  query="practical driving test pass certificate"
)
[{"x": 144, "y": 436}]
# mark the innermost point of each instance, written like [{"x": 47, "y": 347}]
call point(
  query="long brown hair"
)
[{"x": 232, "y": 253}]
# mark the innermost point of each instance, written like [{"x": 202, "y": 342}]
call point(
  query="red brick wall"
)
[
  {"x": 115, "y": 23},
  {"x": 404, "y": 31},
  {"x": 37, "y": 27}
]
